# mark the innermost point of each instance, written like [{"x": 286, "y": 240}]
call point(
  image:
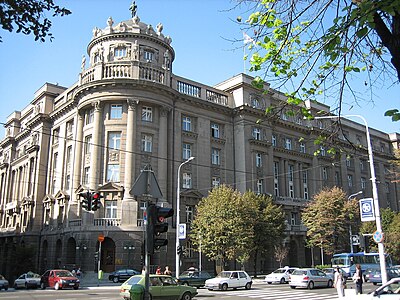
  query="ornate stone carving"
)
[
  {"x": 159, "y": 28},
  {"x": 110, "y": 22},
  {"x": 132, "y": 103},
  {"x": 97, "y": 105}
]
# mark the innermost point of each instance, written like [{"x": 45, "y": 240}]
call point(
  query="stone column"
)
[
  {"x": 162, "y": 173},
  {"x": 129, "y": 206},
  {"x": 77, "y": 169},
  {"x": 96, "y": 148}
]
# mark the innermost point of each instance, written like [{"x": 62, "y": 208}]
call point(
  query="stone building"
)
[{"x": 129, "y": 111}]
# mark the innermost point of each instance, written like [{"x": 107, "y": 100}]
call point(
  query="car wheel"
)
[
  {"x": 330, "y": 283},
  {"x": 57, "y": 286},
  {"x": 248, "y": 286},
  {"x": 42, "y": 286},
  {"x": 310, "y": 285},
  {"x": 282, "y": 281},
  {"x": 76, "y": 287},
  {"x": 15, "y": 286},
  {"x": 224, "y": 287},
  {"x": 292, "y": 287},
  {"x": 270, "y": 282},
  {"x": 374, "y": 283},
  {"x": 6, "y": 288},
  {"x": 186, "y": 296},
  {"x": 210, "y": 289},
  {"x": 115, "y": 279}
]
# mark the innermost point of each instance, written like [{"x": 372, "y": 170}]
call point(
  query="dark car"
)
[
  {"x": 376, "y": 277},
  {"x": 193, "y": 278},
  {"x": 122, "y": 275},
  {"x": 59, "y": 279}
]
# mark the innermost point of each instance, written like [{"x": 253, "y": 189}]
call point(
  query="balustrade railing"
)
[
  {"x": 107, "y": 222},
  {"x": 188, "y": 89}
]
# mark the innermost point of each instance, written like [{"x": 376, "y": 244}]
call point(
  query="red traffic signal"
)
[
  {"x": 96, "y": 200},
  {"x": 156, "y": 216}
]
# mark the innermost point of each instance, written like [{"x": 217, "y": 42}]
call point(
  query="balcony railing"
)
[{"x": 107, "y": 222}]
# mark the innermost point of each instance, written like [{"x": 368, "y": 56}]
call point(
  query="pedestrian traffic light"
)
[
  {"x": 96, "y": 255},
  {"x": 156, "y": 216},
  {"x": 96, "y": 200},
  {"x": 179, "y": 250},
  {"x": 87, "y": 200}
]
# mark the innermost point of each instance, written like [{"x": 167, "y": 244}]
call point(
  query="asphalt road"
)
[{"x": 260, "y": 290}]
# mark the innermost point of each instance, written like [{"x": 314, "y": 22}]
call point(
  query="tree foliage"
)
[
  {"x": 319, "y": 47},
  {"x": 222, "y": 225},
  {"x": 29, "y": 17},
  {"x": 232, "y": 226},
  {"x": 327, "y": 218}
]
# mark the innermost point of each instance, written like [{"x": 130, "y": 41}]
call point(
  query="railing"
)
[
  {"x": 291, "y": 201},
  {"x": 75, "y": 223},
  {"x": 117, "y": 71},
  {"x": 151, "y": 74},
  {"x": 107, "y": 222},
  {"x": 216, "y": 97},
  {"x": 188, "y": 89}
]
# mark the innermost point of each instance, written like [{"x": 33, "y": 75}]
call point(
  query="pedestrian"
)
[
  {"x": 339, "y": 283},
  {"x": 167, "y": 271},
  {"x": 158, "y": 270},
  {"x": 78, "y": 273},
  {"x": 73, "y": 272},
  {"x": 358, "y": 279},
  {"x": 144, "y": 271}
]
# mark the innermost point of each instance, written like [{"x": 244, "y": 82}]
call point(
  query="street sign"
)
[
  {"x": 378, "y": 236},
  {"x": 182, "y": 231},
  {"x": 355, "y": 240},
  {"x": 367, "y": 209}
]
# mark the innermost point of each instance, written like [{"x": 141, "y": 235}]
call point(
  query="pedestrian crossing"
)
[{"x": 277, "y": 294}]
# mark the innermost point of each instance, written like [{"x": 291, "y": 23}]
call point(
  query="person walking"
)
[
  {"x": 358, "y": 279},
  {"x": 339, "y": 283},
  {"x": 158, "y": 270},
  {"x": 167, "y": 271}
]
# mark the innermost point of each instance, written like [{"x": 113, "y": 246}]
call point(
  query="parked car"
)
[
  {"x": 122, "y": 275},
  {"x": 160, "y": 287},
  {"x": 368, "y": 273},
  {"x": 389, "y": 290},
  {"x": 309, "y": 278},
  {"x": 229, "y": 279},
  {"x": 193, "y": 277},
  {"x": 280, "y": 275},
  {"x": 3, "y": 283},
  {"x": 376, "y": 277},
  {"x": 59, "y": 279},
  {"x": 331, "y": 273},
  {"x": 27, "y": 280}
]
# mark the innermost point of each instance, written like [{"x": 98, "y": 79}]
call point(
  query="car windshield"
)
[
  {"x": 224, "y": 275},
  {"x": 299, "y": 272},
  {"x": 64, "y": 274},
  {"x": 32, "y": 275},
  {"x": 279, "y": 271},
  {"x": 133, "y": 280},
  {"x": 188, "y": 273}
]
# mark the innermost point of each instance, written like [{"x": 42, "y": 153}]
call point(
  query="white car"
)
[
  {"x": 309, "y": 278},
  {"x": 280, "y": 275},
  {"x": 229, "y": 279},
  {"x": 27, "y": 280}
]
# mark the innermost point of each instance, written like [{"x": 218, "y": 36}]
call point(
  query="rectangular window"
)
[
  {"x": 86, "y": 174},
  {"x": 111, "y": 209},
  {"x": 189, "y": 213},
  {"x": 293, "y": 218},
  {"x": 291, "y": 180},
  {"x": 215, "y": 156},
  {"x": 120, "y": 52},
  {"x": 88, "y": 145},
  {"x": 216, "y": 181},
  {"x": 148, "y": 55},
  {"x": 288, "y": 144},
  {"x": 348, "y": 162},
  {"x": 258, "y": 160},
  {"x": 114, "y": 140},
  {"x": 116, "y": 111},
  {"x": 186, "y": 180},
  {"x": 147, "y": 142},
  {"x": 113, "y": 173},
  {"x": 274, "y": 140},
  {"x": 186, "y": 151},
  {"x": 302, "y": 148},
  {"x": 363, "y": 183},
  {"x": 276, "y": 178},
  {"x": 67, "y": 182},
  {"x": 322, "y": 151},
  {"x": 56, "y": 136},
  {"x": 350, "y": 180},
  {"x": 260, "y": 186},
  {"x": 69, "y": 157},
  {"x": 186, "y": 124},
  {"x": 256, "y": 133},
  {"x": 147, "y": 114},
  {"x": 362, "y": 165},
  {"x": 325, "y": 173},
  {"x": 89, "y": 117},
  {"x": 215, "y": 131}
]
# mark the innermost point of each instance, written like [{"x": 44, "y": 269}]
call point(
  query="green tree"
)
[
  {"x": 327, "y": 218},
  {"x": 319, "y": 47},
  {"x": 29, "y": 17},
  {"x": 268, "y": 224},
  {"x": 392, "y": 238},
  {"x": 223, "y": 226}
]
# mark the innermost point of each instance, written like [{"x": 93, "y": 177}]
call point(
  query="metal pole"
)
[
  {"x": 178, "y": 191},
  {"x": 381, "y": 248},
  {"x": 98, "y": 265}
]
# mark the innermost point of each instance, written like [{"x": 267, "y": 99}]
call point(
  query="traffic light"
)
[
  {"x": 96, "y": 255},
  {"x": 156, "y": 216},
  {"x": 96, "y": 201},
  {"x": 87, "y": 200},
  {"x": 179, "y": 250}
]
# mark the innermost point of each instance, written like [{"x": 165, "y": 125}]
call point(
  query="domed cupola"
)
[{"x": 128, "y": 50}]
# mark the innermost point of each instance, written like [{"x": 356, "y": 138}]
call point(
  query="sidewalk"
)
[{"x": 89, "y": 279}]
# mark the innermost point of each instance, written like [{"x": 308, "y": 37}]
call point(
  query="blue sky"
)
[{"x": 202, "y": 33}]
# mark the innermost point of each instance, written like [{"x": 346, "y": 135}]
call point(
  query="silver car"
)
[
  {"x": 309, "y": 278},
  {"x": 27, "y": 280}
]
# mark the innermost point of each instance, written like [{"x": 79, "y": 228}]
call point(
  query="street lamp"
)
[
  {"x": 178, "y": 191},
  {"x": 381, "y": 247},
  {"x": 350, "y": 233}
]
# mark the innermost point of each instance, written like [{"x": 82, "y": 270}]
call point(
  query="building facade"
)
[{"x": 128, "y": 111}]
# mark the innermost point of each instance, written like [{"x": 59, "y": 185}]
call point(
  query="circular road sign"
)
[{"x": 378, "y": 236}]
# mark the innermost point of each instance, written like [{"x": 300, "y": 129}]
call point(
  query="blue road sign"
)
[{"x": 367, "y": 209}]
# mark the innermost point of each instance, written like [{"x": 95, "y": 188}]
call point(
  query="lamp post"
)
[
  {"x": 178, "y": 191},
  {"x": 350, "y": 233},
  {"x": 381, "y": 247}
]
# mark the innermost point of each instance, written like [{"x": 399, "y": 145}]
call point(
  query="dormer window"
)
[{"x": 120, "y": 52}]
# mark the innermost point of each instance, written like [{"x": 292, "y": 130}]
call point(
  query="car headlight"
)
[
  {"x": 77, "y": 281},
  {"x": 62, "y": 281}
]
